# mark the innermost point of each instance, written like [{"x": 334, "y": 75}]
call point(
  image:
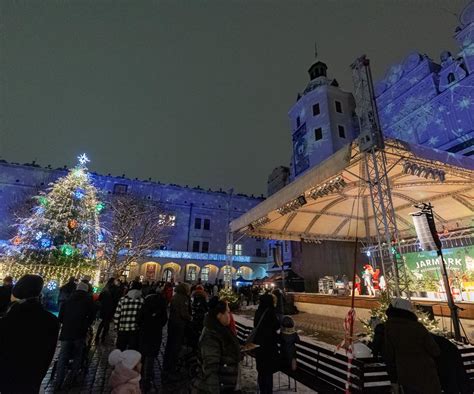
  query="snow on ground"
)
[{"x": 245, "y": 320}]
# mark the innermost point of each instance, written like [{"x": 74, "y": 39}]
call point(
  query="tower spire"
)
[{"x": 316, "y": 50}]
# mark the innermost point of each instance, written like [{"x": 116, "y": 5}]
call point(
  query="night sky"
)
[{"x": 188, "y": 92}]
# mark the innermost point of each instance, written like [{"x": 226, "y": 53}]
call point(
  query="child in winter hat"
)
[
  {"x": 125, "y": 378},
  {"x": 288, "y": 340}
]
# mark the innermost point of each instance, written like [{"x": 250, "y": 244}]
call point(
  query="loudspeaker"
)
[
  {"x": 426, "y": 230},
  {"x": 277, "y": 258}
]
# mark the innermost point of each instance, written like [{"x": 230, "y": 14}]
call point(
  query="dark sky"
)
[{"x": 189, "y": 92}]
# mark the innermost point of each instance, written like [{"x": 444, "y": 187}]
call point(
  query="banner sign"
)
[{"x": 457, "y": 260}]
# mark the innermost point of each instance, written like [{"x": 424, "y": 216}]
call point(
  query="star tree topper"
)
[{"x": 83, "y": 159}]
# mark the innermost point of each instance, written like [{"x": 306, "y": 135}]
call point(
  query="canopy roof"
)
[{"x": 346, "y": 212}]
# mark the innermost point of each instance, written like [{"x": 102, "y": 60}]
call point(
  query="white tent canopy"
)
[{"x": 444, "y": 179}]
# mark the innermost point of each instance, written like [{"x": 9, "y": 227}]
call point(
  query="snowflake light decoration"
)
[
  {"x": 45, "y": 243},
  {"x": 79, "y": 193},
  {"x": 52, "y": 285},
  {"x": 464, "y": 103}
]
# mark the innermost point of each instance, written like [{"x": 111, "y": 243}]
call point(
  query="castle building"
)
[
  {"x": 196, "y": 246},
  {"x": 432, "y": 104}
]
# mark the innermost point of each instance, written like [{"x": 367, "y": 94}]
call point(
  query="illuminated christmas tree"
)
[{"x": 63, "y": 228}]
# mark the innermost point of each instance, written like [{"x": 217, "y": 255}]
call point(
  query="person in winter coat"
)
[
  {"x": 199, "y": 309},
  {"x": 219, "y": 352},
  {"x": 106, "y": 310},
  {"x": 28, "y": 338},
  {"x": 179, "y": 318},
  {"x": 451, "y": 371},
  {"x": 408, "y": 345},
  {"x": 125, "y": 378},
  {"x": 152, "y": 318},
  {"x": 66, "y": 290},
  {"x": 117, "y": 292},
  {"x": 267, "y": 356},
  {"x": 5, "y": 294},
  {"x": 76, "y": 316},
  {"x": 126, "y": 318},
  {"x": 168, "y": 292},
  {"x": 288, "y": 340}
]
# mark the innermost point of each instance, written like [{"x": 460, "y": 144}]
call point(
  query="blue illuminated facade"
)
[
  {"x": 432, "y": 104},
  {"x": 196, "y": 246}
]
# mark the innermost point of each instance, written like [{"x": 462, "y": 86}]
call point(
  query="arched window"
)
[
  {"x": 451, "y": 77},
  {"x": 191, "y": 273},
  {"x": 167, "y": 275}
]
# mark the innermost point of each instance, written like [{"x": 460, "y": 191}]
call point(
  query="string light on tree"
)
[{"x": 66, "y": 216}]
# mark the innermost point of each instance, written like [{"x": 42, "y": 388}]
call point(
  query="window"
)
[
  {"x": 258, "y": 252},
  {"x": 451, "y": 78},
  {"x": 191, "y": 273},
  {"x": 318, "y": 134},
  {"x": 205, "y": 274},
  {"x": 240, "y": 272},
  {"x": 167, "y": 275},
  {"x": 338, "y": 106},
  {"x": 298, "y": 121},
  {"x": 229, "y": 249},
  {"x": 120, "y": 188},
  {"x": 207, "y": 224},
  {"x": 316, "y": 110},
  {"x": 238, "y": 249},
  {"x": 286, "y": 247},
  {"x": 196, "y": 246},
  {"x": 205, "y": 247},
  {"x": 197, "y": 223},
  {"x": 342, "y": 131}
]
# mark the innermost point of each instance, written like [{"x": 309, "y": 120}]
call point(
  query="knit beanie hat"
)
[
  {"x": 82, "y": 286},
  {"x": 128, "y": 358},
  {"x": 287, "y": 322},
  {"x": 28, "y": 286},
  {"x": 401, "y": 303},
  {"x": 135, "y": 285}
]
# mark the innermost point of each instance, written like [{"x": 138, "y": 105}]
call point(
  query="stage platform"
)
[{"x": 337, "y": 306}]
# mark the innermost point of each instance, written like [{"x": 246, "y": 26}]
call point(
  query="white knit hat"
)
[
  {"x": 128, "y": 358},
  {"x": 401, "y": 303}
]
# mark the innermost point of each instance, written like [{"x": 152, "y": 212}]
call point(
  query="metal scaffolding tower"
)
[{"x": 371, "y": 144}]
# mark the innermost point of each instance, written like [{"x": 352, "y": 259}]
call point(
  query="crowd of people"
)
[{"x": 196, "y": 319}]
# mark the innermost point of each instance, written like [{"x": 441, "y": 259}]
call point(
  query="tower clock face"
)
[{"x": 300, "y": 150}]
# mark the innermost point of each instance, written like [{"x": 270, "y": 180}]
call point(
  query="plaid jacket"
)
[{"x": 126, "y": 314}]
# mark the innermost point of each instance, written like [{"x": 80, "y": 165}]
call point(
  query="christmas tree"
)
[{"x": 63, "y": 228}]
